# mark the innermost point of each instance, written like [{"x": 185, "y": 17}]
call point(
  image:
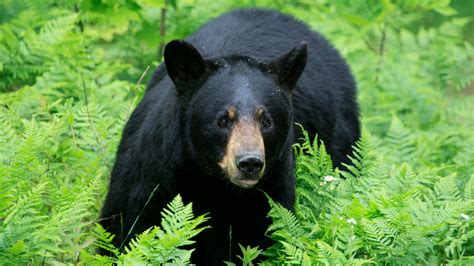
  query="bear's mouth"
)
[{"x": 246, "y": 181}]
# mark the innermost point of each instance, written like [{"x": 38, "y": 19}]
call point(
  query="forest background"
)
[{"x": 71, "y": 72}]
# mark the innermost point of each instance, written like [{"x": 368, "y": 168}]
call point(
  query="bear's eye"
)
[
  {"x": 266, "y": 122},
  {"x": 223, "y": 121}
]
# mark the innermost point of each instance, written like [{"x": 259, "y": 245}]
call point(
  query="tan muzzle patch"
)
[{"x": 245, "y": 137}]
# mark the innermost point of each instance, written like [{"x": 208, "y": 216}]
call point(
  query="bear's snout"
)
[
  {"x": 250, "y": 164},
  {"x": 244, "y": 159}
]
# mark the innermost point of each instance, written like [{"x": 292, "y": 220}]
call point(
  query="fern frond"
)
[
  {"x": 446, "y": 189},
  {"x": 295, "y": 255},
  {"x": 362, "y": 159},
  {"x": 104, "y": 240},
  {"x": 56, "y": 29},
  {"x": 285, "y": 224},
  {"x": 157, "y": 246},
  {"x": 328, "y": 255},
  {"x": 401, "y": 148}
]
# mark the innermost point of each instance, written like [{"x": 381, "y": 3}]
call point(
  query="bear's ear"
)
[
  {"x": 289, "y": 67},
  {"x": 184, "y": 64}
]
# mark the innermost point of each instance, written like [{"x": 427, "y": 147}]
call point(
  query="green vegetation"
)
[{"x": 71, "y": 73}]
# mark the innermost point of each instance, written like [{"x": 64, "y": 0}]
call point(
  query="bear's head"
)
[{"x": 236, "y": 110}]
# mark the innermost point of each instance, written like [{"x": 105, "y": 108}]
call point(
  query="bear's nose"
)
[{"x": 249, "y": 164}]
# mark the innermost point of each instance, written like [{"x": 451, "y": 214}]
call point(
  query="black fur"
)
[{"x": 172, "y": 139}]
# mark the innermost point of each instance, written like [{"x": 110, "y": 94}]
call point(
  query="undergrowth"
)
[{"x": 71, "y": 73}]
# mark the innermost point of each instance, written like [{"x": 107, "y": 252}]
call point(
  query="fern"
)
[
  {"x": 400, "y": 147},
  {"x": 284, "y": 219},
  {"x": 22, "y": 218},
  {"x": 362, "y": 159},
  {"x": 160, "y": 245},
  {"x": 295, "y": 255},
  {"x": 71, "y": 73},
  {"x": 377, "y": 214}
]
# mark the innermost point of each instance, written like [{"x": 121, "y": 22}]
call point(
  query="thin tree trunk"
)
[
  {"x": 381, "y": 52},
  {"x": 162, "y": 29}
]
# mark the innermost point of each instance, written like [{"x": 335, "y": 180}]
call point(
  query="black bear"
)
[{"x": 216, "y": 125}]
